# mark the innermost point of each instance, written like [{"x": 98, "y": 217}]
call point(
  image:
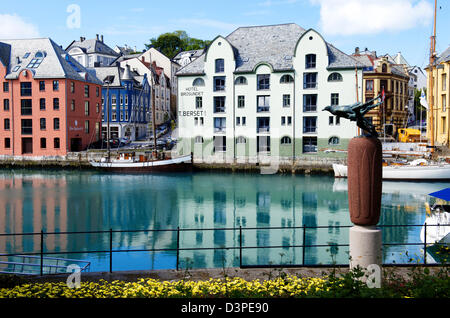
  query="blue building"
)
[{"x": 127, "y": 101}]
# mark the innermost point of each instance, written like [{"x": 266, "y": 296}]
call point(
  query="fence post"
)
[
  {"x": 303, "y": 243},
  {"x": 425, "y": 244},
  {"x": 110, "y": 250},
  {"x": 42, "y": 252},
  {"x": 240, "y": 246},
  {"x": 178, "y": 246}
]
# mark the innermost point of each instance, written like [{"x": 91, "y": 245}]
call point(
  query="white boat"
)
[
  {"x": 417, "y": 170},
  {"x": 438, "y": 227}
]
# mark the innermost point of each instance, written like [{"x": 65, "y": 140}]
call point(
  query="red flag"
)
[{"x": 382, "y": 95}]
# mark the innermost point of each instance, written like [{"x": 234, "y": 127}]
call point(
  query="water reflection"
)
[{"x": 87, "y": 201}]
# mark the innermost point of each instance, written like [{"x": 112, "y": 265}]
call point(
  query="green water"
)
[{"x": 205, "y": 206}]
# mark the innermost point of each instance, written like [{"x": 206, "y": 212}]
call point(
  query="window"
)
[
  {"x": 198, "y": 140},
  {"x": 310, "y": 102},
  {"x": 220, "y": 66},
  {"x": 86, "y": 108},
  {"x": 72, "y": 87},
  {"x": 219, "y": 104},
  {"x": 25, "y": 107},
  {"x": 286, "y": 140},
  {"x": 331, "y": 120},
  {"x": 27, "y": 127},
  {"x": 333, "y": 141},
  {"x": 263, "y": 104},
  {"x": 198, "y": 102},
  {"x": 335, "y": 77},
  {"x": 241, "y": 101},
  {"x": 309, "y": 80},
  {"x": 198, "y": 82},
  {"x": 43, "y": 143},
  {"x": 97, "y": 91},
  {"x": 56, "y": 143},
  {"x": 309, "y": 144},
  {"x": 72, "y": 105},
  {"x": 310, "y": 124},
  {"x": 283, "y": 120},
  {"x": 5, "y": 87},
  {"x": 262, "y": 144},
  {"x": 219, "y": 83},
  {"x": 286, "y": 79},
  {"x": 121, "y": 99},
  {"x": 444, "y": 103},
  {"x": 86, "y": 91},
  {"x": 263, "y": 81},
  {"x": 25, "y": 89},
  {"x": 220, "y": 144},
  {"x": 7, "y": 124},
  {"x": 56, "y": 103},
  {"x": 41, "y": 86},
  {"x": 6, "y": 104},
  {"x": 338, "y": 120},
  {"x": 219, "y": 124},
  {"x": 286, "y": 100},
  {"x": 113, "y": 100},
  {"x": 34, "y": 63},
  {"x": 241, "y": 80},
  {"x": 289, "y": 120},
  {"x": 241, "y": 140},
  {"x": 238, "y": 121},
  {"x": 56, "y": 123},
  {"x": 86, "y": 126},
  {"x": 195, "y": 121},
  {"x": 7, "y": 143},
  {"x": 56, "y": 85},
  {"x": 310, "y": 61},
  {"x": 369, "y": 85},
  {"x": 42, "y": 123},
  {"x": 334, "y": 99},
  {"x": 384, "y": 68},
  {"x": 263, "y": 124}
]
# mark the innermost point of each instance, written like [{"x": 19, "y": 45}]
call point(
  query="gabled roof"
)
[
  {"x": 120, "y": 74},
  {"x": 93, "y": 46},
  {"x": 55, "y": 62},
  {"x": 272, "y": 44},
  {"x": 5, "y": 53}
]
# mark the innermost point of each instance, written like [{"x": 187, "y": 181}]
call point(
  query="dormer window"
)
[
  {"x": 286, "y": 79},
  {"x": 335, "y": 77},
  {"x": 310, "y": 61},
  {"x": 198, "y": 82},
  {"x": 384, "y": 68},
  {"x": 220, "y": 66}
]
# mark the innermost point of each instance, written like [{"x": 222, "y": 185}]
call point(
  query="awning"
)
[{"x": 442, "y": 194}]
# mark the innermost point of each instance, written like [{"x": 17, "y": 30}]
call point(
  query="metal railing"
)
[{"x": 241, "y": 247}]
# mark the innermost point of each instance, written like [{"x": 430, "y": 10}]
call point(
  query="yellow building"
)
[
  {"x": 438, "y": 94},
  {"x": 379, "y": 73}
]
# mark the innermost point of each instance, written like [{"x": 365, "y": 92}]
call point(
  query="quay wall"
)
[{"x": 80, "y": 160}]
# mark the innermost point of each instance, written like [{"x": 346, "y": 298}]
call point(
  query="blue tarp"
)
[{"x": 442, "y": 194}]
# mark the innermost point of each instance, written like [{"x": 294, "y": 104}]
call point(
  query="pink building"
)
[{"x": 49, "y": 104}]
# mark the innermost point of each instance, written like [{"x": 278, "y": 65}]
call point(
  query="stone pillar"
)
[{"x": 364, "y": 196}]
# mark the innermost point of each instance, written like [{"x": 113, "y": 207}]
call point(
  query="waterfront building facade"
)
[
  {"x": 381, "y": 74},
  {"x": 258, "y": 95},
  {"x": 440, "y": 93},
  {"x": 92, "y": 52},
  {"x": 50, "y": 104},
  {"x": 126, "y": 101}
]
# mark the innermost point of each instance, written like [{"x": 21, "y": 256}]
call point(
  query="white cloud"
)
[
  {"x": 270, "y": 3},
  {"x": 349, "y": 17},
  {"x": 13, "y": 26}
]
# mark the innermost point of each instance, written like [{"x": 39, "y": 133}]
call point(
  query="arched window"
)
[
  {"x": 335, "y": 77},
  {"x": 333, "y": 141},
  {"x": 384, "y": 68},
  {"x": 198, "y": 82},
  {"x": 286, "y": 140},
  {"x": 241, "y": 80},
  {"x": 286, "y": 79},
  {"x": 241, "y": 140},
  {"x": 199, "y": 140}
]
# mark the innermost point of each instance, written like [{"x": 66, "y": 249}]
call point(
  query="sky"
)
[{"x": 384, "y": 26}]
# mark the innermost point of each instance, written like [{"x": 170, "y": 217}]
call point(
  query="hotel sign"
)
[{"x": 191, "y": 91}]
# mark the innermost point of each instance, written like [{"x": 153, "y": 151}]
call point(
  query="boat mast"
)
[
  {"x": 153, "y": 73},
  {"x": 432, "y": 62}
]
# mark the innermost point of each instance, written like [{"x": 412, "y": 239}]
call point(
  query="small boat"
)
[
  {"x": 128, "y": 163},
  {"x": 436, "y": 233},
  {"x": 416, "y": 170}
]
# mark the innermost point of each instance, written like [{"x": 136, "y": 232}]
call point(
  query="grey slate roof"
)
[
  {"x": 5, "y": 53},
  {"x": 56, "y": 63},
  {"x": 274, "y": 44},
  {"x": 444, "y": 56},
  {"x": 119, "y": 74},
  {"x": 93, "y": 46}
]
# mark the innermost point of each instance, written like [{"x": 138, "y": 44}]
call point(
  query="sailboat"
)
[{"x": 130, "y": 162}]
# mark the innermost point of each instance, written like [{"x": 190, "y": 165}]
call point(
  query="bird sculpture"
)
[{"x": 356, "y": 113}]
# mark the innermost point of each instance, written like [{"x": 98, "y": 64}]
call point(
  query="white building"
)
[
  {"x": 259, "y": 93},
  {"x": 92, "y": 52}
]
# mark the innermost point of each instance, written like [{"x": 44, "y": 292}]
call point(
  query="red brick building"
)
[{"x": 49, "y": 104}]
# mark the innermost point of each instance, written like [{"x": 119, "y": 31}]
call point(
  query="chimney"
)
[
  {"x": 81, "y": 39},
  {"x": 356, "y": 50},
  {"x": 97, "y": 37},
  {"x": 101, "y": 38},
  {"x": 17, "y": 60},
  {"x": 143, "y": 59}
]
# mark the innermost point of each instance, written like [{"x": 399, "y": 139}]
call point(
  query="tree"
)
[{"x": 170, "y": 44}]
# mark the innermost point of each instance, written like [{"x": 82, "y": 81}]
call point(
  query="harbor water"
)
[{"x": 217, "y": 213}]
